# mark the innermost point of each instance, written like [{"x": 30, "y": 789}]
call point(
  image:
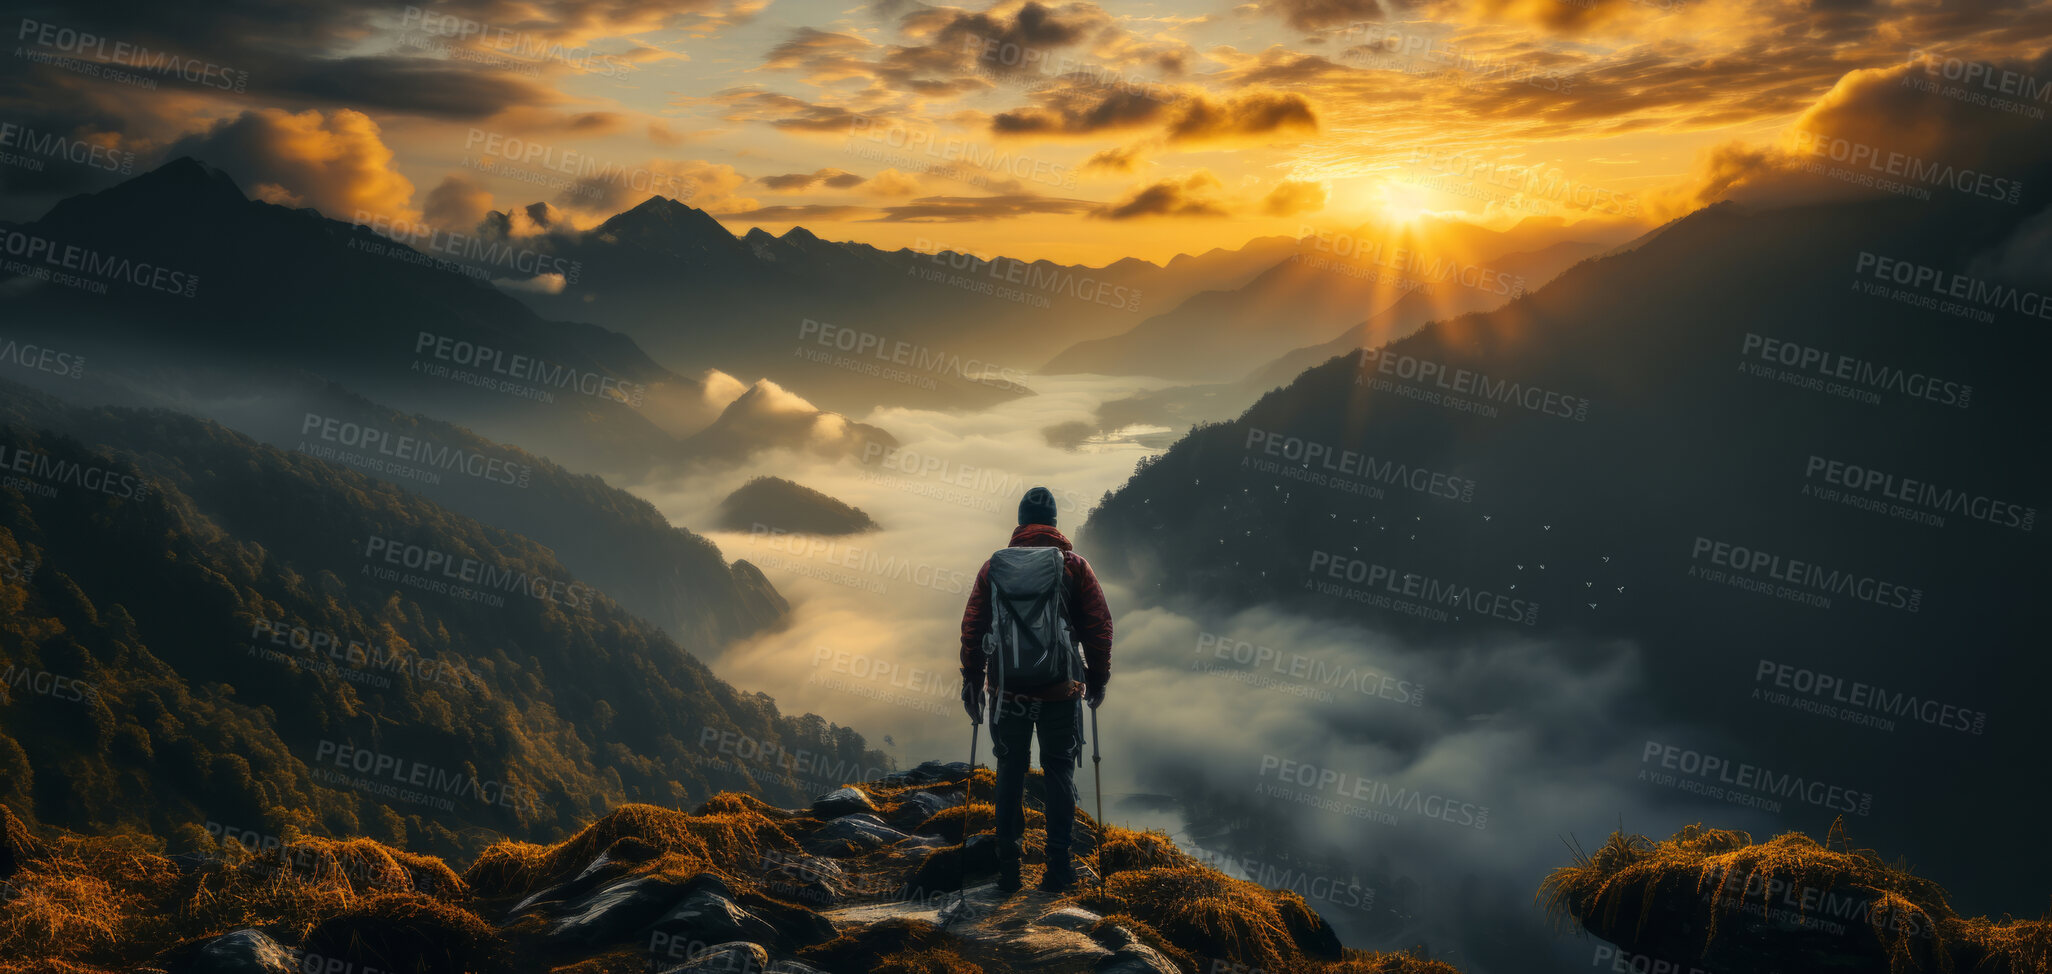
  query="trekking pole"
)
[
  {"x": 968, "y": 784},
  {"x": 1097, "y": 772}
]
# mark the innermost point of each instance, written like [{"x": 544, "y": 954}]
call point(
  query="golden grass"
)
[
  {"x": 1124, "y": 850},
  {"x": 734, "y": 841},
  {"x": 1205, "y": 912},
  {"x": 1908, "y": 917},
  {"x": 1401, "y": 962}
]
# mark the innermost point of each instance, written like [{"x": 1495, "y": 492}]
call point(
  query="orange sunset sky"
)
[{"x": 1079, "y": 131}]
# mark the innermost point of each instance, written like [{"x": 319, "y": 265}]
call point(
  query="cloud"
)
[
  {"x": 1291, "y": 197},
  {"x": 336, "y": 163},
  {"x": 1179, "y": 116},
  {"x": 1192, "y": 195},
  {"x": 1873, "y": 118},
  {"x": 892, "y": 183},
  {"x": 961, "y": 209},
  {"x": 798, "y": 182},
  {"x": 712, "y": 187},
  {"x": 457, "y": 202},
  {"x": 1115, "y": 160},
  {"x": 1313, "y": 14}
]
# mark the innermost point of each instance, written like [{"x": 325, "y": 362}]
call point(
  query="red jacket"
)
[{"x": 1089, "y": 618}]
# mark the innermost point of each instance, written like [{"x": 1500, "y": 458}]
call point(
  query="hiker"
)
[{"x": 1019, "y": 658}]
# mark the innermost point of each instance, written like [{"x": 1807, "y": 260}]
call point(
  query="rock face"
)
[{"x": 241, "y": 952}]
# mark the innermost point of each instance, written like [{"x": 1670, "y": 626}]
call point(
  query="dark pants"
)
[{"x": 1060, "y": 747}]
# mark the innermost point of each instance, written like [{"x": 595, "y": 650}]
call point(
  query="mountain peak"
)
[
  {"x": 186, "y": 176},
  {"x": 666, "y": 223}
]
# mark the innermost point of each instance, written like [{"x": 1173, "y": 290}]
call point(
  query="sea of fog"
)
[{"x": 1544, "y": 736}]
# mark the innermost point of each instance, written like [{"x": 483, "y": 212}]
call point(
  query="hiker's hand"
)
[
  {"x": 1094, "y": 696},
  {"x": 972, "y": 702}
]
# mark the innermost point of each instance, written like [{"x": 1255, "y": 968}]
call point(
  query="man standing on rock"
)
[{"x": 1033, "y": 601}]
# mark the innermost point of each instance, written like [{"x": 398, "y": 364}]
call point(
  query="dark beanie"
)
[{"x": 1037, "y": 507}]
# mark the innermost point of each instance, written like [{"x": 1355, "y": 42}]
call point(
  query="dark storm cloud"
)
[
  {"x": 1194, "y": 195},
  {"x": 799, "y": 181},
  {"x": 1193, "y": 117},
  {"x": 958, "y": 209}
]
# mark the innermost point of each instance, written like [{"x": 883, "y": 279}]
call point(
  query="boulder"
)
[
  {"x": 917, "y": 807},
  {"x": 738, "y": 957},
  {"x": 244, "y": 951},
  {"x": 852, "y": 835},
  {"x": 842, "y": 801},
  {"x": 812, "y": 880},
  {"x": 620, "y": 912},
  {"x": 710, "y": 917},
  {"x": 942, "y": 870},
  {"x": 926, "y": 773}
]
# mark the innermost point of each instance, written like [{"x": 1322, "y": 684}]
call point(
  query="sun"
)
[{"x": 1403, "y": 204}]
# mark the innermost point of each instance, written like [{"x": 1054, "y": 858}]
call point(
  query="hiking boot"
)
[
  {"x": 1008, "y": 877},
  {"x": 1059, "y": 877}
]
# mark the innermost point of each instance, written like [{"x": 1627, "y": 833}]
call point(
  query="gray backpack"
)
[{"x": 1029, "y": 642}]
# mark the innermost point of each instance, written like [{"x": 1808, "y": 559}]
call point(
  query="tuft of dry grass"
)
[
  {"x": 1205, "y": 912},
  {"x": 734, "y": 841},
  {"x": 1126, "y": 850},
  {"x": 1908, "y": 917}
]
